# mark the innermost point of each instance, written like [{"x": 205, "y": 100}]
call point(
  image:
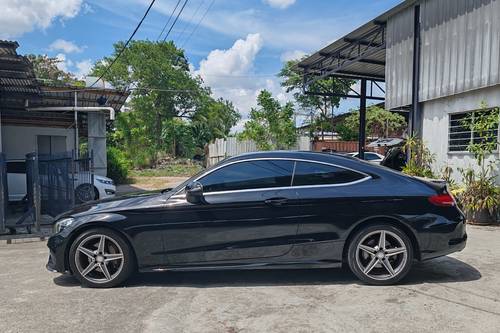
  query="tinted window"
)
[
  {"x": 321, "y": 174},
  {"x": 249, "y": 175},
  {"x": 16, "y": 167},
  {"x": 371, "y": 157}
]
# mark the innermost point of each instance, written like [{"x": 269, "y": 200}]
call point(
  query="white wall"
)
[
  {"x": 435, "y": 125},
  {"x": 17, "y": 141}
]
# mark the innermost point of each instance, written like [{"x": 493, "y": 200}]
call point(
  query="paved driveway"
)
[{"x": 458, "y": 293}]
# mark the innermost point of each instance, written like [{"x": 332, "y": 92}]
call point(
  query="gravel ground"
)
[{"x": 458, "y": 293}]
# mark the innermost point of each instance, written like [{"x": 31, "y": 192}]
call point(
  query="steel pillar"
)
[{"x": 362, "y": 120}]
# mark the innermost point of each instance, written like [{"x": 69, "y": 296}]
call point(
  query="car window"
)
[
  {"x": 16, "y": 167},
  {"x": 309, "y": 173},
  {"x": 371, "y": 157},
  {"x": 249, "y": 175}
]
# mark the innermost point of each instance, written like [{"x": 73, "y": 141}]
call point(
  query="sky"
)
[{"x": 238, "y": 48}]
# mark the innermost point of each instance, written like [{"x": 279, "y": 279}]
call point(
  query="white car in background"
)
[
  {"x": 369, "y": 157},
  {"x": 104, "y": 187}
]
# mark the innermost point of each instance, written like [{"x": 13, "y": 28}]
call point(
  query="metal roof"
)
[
  {"x": 359, "y": 54},
  {"x": 65, "y": 96}
]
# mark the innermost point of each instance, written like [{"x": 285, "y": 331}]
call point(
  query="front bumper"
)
[{"x": 56, "y": 261}]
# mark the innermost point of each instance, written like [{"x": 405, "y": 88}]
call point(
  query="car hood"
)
[{"x": 128, "y": 202}]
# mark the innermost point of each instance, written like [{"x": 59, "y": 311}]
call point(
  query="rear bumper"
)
[{"x": 443, "y": 239}]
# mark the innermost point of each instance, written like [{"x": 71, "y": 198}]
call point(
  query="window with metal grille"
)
[{"x": 460, "y": 134}]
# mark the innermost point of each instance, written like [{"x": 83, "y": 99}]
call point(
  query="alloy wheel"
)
[
  {"x": 99, "y": 258},
  {"x": 381, "y": 255}
]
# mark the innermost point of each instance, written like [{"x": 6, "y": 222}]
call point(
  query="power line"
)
[
  {"x": 176, "y": 18},
  {"x": 126, "y": 44},
  {"x": 192, "y": 18},
  {"x": 169, "y": 18},
  {"x": 198, "y": 24}
]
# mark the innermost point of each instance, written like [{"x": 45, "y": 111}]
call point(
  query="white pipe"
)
[{"x": 79, "y": 108}]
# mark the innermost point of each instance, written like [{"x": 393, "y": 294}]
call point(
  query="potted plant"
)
[{"x": 480, "y": 197}]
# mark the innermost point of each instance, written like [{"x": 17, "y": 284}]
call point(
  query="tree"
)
[
  {"x": 294, "y": 83},
  {"x": 163, "y": 88},
  {"x": 271, "y": 125},
  {"x": 379, "y": 123},
  {"x": 45, "y": 68}
]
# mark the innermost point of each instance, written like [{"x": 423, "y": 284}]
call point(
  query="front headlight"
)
[
  {"x": 105, "y": 181},
  {"x": 61, "y": 224}
]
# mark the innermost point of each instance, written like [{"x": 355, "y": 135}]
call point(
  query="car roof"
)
[
  {"x": 341, "y": 160},
  {"x": 292, "y": 154}
]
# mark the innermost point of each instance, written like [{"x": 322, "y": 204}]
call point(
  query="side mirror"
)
[{"x": 194, "y": 193}]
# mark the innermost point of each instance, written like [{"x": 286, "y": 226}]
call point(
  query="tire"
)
[
  {"x": 377, "y": 264},
  {"x": 86, "y": 193},
  {"x": 101, "y": 266}
]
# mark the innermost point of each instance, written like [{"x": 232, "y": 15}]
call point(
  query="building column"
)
[{"x": 97, "y": 141}]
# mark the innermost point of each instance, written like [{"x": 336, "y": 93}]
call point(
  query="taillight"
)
[{"x": 442, "y": 200}]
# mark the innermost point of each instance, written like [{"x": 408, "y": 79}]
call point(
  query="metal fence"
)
[
  {"x": 65, "y": 180},
  {"x": 52, "y": 184}
]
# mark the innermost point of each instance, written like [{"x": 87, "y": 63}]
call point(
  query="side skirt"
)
[{"x": 290, "y": 265}]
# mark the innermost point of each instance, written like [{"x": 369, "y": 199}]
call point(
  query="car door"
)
[
  {"x": 250, "y": 213},
  {"x": 330, "y": 203}
]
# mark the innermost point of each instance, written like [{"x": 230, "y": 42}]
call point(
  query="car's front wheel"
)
[
  {"x": 100, "y": 258},
  {"x": 380, "y": 254}
]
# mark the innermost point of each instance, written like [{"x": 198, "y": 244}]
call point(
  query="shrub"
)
[{"x": 118, "y": 165}]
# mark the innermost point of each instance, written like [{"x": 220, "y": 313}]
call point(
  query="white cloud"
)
[
  {"x": 65, "y": 46},
  {"x": 64, "y": 64},
  {"x": 79, "y": 68},
  {"x": 281, "y": 4},
  {"x": 83, "y": 68},
  {"x": 292, "y": 55},
  {"x": 237, "y": 60},
  {"x": 230, "y": 75},
  {"x": 21, "y": 16}
]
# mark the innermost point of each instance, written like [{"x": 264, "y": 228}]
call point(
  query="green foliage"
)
[
  {"x": 170, "y": 170},
  {"x": 163, "y": 89},
  {"x": 271, "y": 125},
  {"x": 346, "y": 133},
  {"x": 379, "y": 123},
  {"x": 178, "y": 137},
  {"x": 294, "y": 83},
  {"x": 480, "y": 190},
  {"x": 118, "y": 165},
  {"x": 484, "y": 124},
  {"x": 46, "y": 69},
  {"x": 421, "y": 159}
]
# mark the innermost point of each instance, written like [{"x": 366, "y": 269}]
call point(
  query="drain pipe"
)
[{"x": 78, "y": 108}]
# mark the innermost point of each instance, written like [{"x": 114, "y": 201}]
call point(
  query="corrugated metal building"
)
[{"x": 442, "y": 60}]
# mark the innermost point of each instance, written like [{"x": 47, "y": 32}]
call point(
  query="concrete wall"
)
[
  {"x": 435, "y": 125},
  {"x": 17, "y": 141}
]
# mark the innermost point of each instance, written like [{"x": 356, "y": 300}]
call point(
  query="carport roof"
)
[{"x": 359, "y": 54}]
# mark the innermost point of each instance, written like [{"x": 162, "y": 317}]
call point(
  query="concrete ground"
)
[{"x": 459, "y": 293}]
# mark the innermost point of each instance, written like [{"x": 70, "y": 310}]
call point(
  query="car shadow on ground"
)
[{"x": 441, "y": 270}]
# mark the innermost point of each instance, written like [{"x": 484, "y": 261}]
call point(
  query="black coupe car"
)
[{"x": 265, "y": 210}]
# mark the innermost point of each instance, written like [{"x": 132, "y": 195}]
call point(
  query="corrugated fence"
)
[{"x": 223, "y": 148}]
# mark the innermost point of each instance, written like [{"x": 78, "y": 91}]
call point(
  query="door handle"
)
[{"x": 276, "y": 202}]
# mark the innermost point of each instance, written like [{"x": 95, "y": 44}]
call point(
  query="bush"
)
[{"x": 118, "y": 165}]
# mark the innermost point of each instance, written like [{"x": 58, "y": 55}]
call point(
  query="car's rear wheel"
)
[
  {"x": 100, "y": 258},
  {"x": 380, "y": 254}
]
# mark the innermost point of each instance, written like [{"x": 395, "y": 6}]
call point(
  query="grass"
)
[{"x": 171, "y": 170}]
